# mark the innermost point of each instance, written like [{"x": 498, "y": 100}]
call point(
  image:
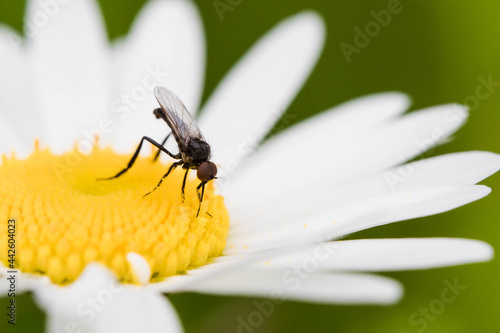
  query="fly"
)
[{"x": 194, "y": 151}]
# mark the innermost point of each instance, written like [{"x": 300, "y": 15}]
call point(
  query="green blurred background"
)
[{"x": 434, "y": 51}]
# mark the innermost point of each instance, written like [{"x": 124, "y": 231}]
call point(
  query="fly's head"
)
[{"x": 207, "y": 171}]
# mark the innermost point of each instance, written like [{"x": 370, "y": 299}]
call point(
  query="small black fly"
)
[{"x": 194, "y": 151}]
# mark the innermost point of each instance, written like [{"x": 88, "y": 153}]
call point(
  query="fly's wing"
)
[{"x": 177, "y": 117}]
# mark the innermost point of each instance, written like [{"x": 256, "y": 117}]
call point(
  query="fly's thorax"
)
[{"x": 197, "y": 152}]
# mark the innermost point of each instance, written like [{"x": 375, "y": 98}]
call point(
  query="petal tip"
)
[
  {"x": 312, "y": 20},
  {"x": 140, "y": 267},
  {"x": 397, "y": 294},
  {"x": 482, "y": 251},
  {"x": 483, "y": 190}
]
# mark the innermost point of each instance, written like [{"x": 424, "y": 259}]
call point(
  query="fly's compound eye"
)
[{"x": 207, "y": 171}]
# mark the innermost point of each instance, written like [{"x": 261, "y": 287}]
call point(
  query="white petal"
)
[
  {"x": 286, "y": 285},
  {"x": 257, "y": 91},
  {"x": 140, "y": 267},
  {"x": 97, "y": 303},
  {"x": 385, "y": 255},
  {"x": 17, "y": 110},
  {"x": 337, "y": 162},
  {"x": 465, "y": 168},
  {"x": 67, "y": 45},
  {"x": 418, "y": 203},
  {"x": 361, "y": 215},
  {"x": 165, "y": 47},
  {"x": 220, "y": 266},
  {"x": 341, "y": 123}
]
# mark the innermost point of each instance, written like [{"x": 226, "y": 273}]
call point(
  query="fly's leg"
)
[
  {"x": 184, "y": 185},
  {"x": 200, "y": 196},
  {"x": 159, "y": 151},
  {"x": 172, "y": 167},
  {"x": 132, "y": 160}
]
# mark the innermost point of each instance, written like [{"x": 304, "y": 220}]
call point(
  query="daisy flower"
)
[{"x": 98, "y": 257}]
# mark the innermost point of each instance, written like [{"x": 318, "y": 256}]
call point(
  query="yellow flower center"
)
[{"x": 65, "y": 218}]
